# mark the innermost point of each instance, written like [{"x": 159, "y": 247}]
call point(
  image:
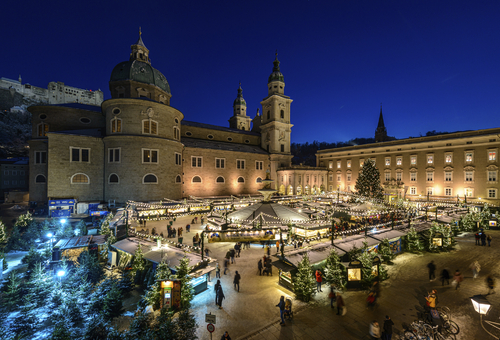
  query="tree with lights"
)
[
  {"x": 40, "y": 285},
  {"x": 304, "y": 283},
  {"x": 3, "y": 234},
  {"x": 335, "y": 272},
  {"x": 24, "y": 220},
  {"x": 412, "y": 241},
  {"x": 138, "y": 264},
  {"x": 152, "y": 296},
  {"x": 368, "y": 182},
  {"x": 182, "y": 272}
]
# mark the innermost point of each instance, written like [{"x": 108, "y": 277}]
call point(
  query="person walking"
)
[
  {"x": 458, "y": 278},
  {"x": 207, "y": 251},
  {"x": 237, "y": 248},
  {"x": 445, "y": 276},
  {"x": 387, "y": 335},
  {"x": 216, "y": 289},
  {"x": 319, "y": 279},
  {"x": 476, "y": 268},
  {"x": 488, "y": 238},
  {"x": 375, "y": 330},
  {"x": 477, "y": 237},
  {"x": 483, "y": 239},
  {"x": 281, "y": 305},
  {"x": 220, "y": 297},
  {"x": 340, "y": 304},
  {"x": 236, "y": 280},
  {"x": 225, "y": 336},
  {"x": 332, "y": 295},
  {"x": 188, "y": 228},
  {"x": 259, "y": 266},
  {"x": 179, "y": 232},
  {"x": 217, "y": 271},
  {"x": 490, "y": 282},
  {"x": 277, "y": 247},
  {"x": 226, "y": 265},
  {"x": 432, "y": 269},
  {"x": 269, "y": 267},
  {"x": 232, "y": 253}
]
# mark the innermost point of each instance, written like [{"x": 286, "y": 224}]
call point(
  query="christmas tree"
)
[
  {"x": 139, "y": 263},
  {"x": 3, "y": 234},
  {"x": 152, "y": 296},
  {"x": 385, "y": 251},
  {"x": 335, "y": 272},
  {"x": 368, "y": 182},
  {"x": 40, "y": 285},
  {"x": 187, "y": 292},
  {"x": 304, "y": 284},
  {"x": 412, "y": 241},
  {"x": 12, "y": 295}
]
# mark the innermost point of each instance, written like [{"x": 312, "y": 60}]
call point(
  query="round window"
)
[
  {"x": 176, "y": 121},
  {"x": 188, "y": 133},
  {"x": 116, "y": 111},
  {"x": 210, "y": 137},
  {"x": 43, "y": 116},
  {"x": 229, "y": 139},
  {"x": 247, "y": 141},
  {"x": 85, "y": 120}
]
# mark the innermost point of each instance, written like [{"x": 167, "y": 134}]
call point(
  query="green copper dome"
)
[
  {"x": 141, "y": 72},
  {"x": 239, "y": 100},
  {"x": 276, "y": 75}
]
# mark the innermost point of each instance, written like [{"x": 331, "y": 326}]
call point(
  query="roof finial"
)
[
  {"x": 276, "y": 54},
  {"x": 140, "y": 32}
]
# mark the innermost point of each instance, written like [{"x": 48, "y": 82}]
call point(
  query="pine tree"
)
[
  {"x": 112, "y": 304},
  {"x": 182, "y": 272},
  {"x": 335, "y": 272},
  {"x": 368, "y": 182},
  {"x": 5, "y": 264},
  {"x": 186, "y": 325},
  {"x": 23, "y": 221},
  {"x": 3, "y": 234},
  {"x": 40, "y": 285},
  {"x": 62, "y": 331},
  {"x": 385, "y": 251},
  {"x": 95, "y": 328},
  {"x": 12, "y": 296},
  {"x": 412, "y": 241},
  {"x": 152, "y": 296},
  {"x": 89, "y": 268},
  {"x": 81, "y": 227},
  {"x": 139, "y": 263},
  {"x": 304, "y": 284},
  {"x": 27, "y": 321}
]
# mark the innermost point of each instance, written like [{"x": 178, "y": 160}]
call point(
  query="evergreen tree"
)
[
  {"x": 152, "y": 296},
  {"x": 412, "y": 241},
  {"x": 139, "y": 263},
  {"x": 5, "y": 264},
  {"x": 40, "y": 285},
  {"x": 112, "y": 304},
  {"x": 62, "y": 331},
  {"x": 12, "y": 296},
  {"x": 95, "y": 328},
  {"x": 15, "y": 240},
  {"x": 164, "y": 326},
  {"x": 27, "y": 320},
  {"x": 186, "y": 325},
  {"x": 3, "y": 234},
  {"x": 187, "y": 291},
  {"x": 81, "y": 227},
  {"x": 385, "y": 251},
  {"x": 23, "y": 221},
  {"x": 89, "y": 268},
  {"x": 335, "y": 272},
  {"x": 304, "y": 284},
  {"x": 368, "y": 182}
]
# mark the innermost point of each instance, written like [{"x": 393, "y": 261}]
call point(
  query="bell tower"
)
[{"x": 240, "y": 120}]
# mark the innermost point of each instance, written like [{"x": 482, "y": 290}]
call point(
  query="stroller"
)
[{"x": 288, "y": 309}]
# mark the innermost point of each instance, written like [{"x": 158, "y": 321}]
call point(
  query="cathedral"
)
[{"x": 136, "y": 146}]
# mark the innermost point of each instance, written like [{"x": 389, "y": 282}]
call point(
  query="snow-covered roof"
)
[
  {"x": 270, "y": 212},
  {"x": 386, "y": 234},
  {"x": 355, "y": 241}
]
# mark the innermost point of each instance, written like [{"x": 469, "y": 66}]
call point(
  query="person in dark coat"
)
[
  {"x": 232, "y": 252},
  {"x": 220, "y": 297},
  {"x": 340, "y": 304},
  {"x": 226, "y": 266},
  {"x": 225, "y": 336},
  {"x": 237, "y": 248},
  {"x": 432, "y": 269},
  {"x": 260, "y": 266},
  {"x": 477, "y": 238},
  {"x": 269, "y": 268},
  {"x": 216, "y": 289},
  {"x": 387, "y": 335},
  {"x": 483, "y": 239},
  {"x": 236, "y": 280},
  {"x": 445, "y": 276},
  {"x": 281, "y": 305}
]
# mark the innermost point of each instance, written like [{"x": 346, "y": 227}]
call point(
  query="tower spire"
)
[
  {"x": 139, "y": 50},
  {"x": 381, "y": 131}
]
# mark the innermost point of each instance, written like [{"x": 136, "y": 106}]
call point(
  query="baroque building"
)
[{"x": 136, "y": 146}]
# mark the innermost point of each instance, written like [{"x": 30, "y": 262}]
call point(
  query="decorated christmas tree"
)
[
  {"x": 385, "y": 251},
  {"x": 368, "y": 182},
  {"x": 412, "y": 241},
  {"x": 152, "y": 296},
  {"x": 304, "y": 284},
  {"x": 187, "y": 292},
  {"x": 335, "y": 272},
  {"x": 139, "y": 263}
]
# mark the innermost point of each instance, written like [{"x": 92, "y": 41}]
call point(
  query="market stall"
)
[{"x": 393, "y": 236}]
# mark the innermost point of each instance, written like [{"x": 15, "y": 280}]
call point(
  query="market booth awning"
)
[
  {"x": 269, "y": 213},
  {"x": 355, "y": 241},
  {"x": 387, "y": 234}
]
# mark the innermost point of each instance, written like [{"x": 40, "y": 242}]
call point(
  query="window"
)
[
  {"x": 80, "y": 179},
  {"x": 339, "y": 178},
  {"x": 14, "y": 173},
  {"x": 339, "y": 164},
  {"x": 258, "y": 180},
  {"x": 6, "y": 182},
  {"x": 178, "y": 179},
  {"x": 259, "y": 165},
  {"x": 42, "y": 130},
  {"x": 6, "y": 172},
  {"x": 349, "y": 163},
  {"x": 348, "y": 177},
  {"x": 469, "y": 176},
  {"x": 196, "y": 179},
  {"x": 330, "y": 177},
  {"x": 399, "y": 161},
  {"x": 241, "y": 180},
  {"x": 387, "y": 176},
  {"x": 448, "y": 176},
  {"x": 430, "y": 191},
  {"x": 282, "y": 147},
  {"x": 448, "y": 191},
  {"x": 448, "y": 158},
  {"x": 492, "y": 176},
  {"x": 196, "y": 162},
  {"x": 387, "y": 161},
  {"x": 492, "y": 193},
  {"x": 330, "y": 164},
  {"x": 492, "y": 156},
  {"x": 469, "y": 156},
  {"x": 268, "y": 114},
  {"x": 430, "y": 176},
  {"x": 21, "y": 172},
  {"x": 430, "y": 159},
  {"x": 413, "y": 176},
  {"x": 330, "y": 188},
  {"x": 413, "y": 160},
  {"x": 413, "y": 190},
  {"x": 80, "y": 155},
  {"x": 361, "y": 162},
  {"x": 220, "y": 163},
  {"x": 40, "y": 157},
  {"x": 240, "y": 164},
  {"x": 114, "y": 155},
  {"x": 150, "y": 127},
  {"x": 282, "y": 114},
  {"x": 149, "y": 156},
  {"x": 116, "y": 125},
  {"x": 178, "y": 158},
  {"x": 220, "y": 179},
  {"x": 150, "y": 179},
  {"x": 40, "y": 179},
  {"x": 399, "y": 176},
  {"x": 468, "y": 192},
  {"x": 307, "y": 179},
  {"x": 113, "y": 179}
]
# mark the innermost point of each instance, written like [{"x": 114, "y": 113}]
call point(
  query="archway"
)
[
  {"x": 306, "y": 190},
  {"x": 290, "y": 190},
  {"x": 282, "y": 189},
  {"x": 299, "y": 190}
]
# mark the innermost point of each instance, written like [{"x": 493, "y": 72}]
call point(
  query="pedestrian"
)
[
  {"x": 226, "y": 265},
  {"x": 277, "y": 247},
  {"x": 489, "y": 240},
  {"x": 370, "y": 300},
  {"x": 430, "y": 300},
  {"x": 268, "y": 250},
  {"x": 269, "y": 267},
  {"x": 217, "y": 271},
  {"x": 232, "y": 253},
  {"x": 445, "y": 275},
  {"x": 194, "y": 241},
  {"x": 237, "y": 248},
  {"x": 220, "y": 297},
  {"x": 225, "y": 336},
  {"x": 188, "y": 228},
  {"x": 457, "y": 278},
  {"x": 490, "y": 282},
  {"x": 375, "y": 330},
  {"x": 179, "y": 232},
  {"x": 207, "y": 251},
  {"x": 281, "y": 305},
  {"x": 331, "y": 295},
  {"x": 387, "y": 335},
  {"x": 477, "y": 237},
  {"x": 319, "y": 279},
  {"x": 340, "y": 304},
  {"x": 259, "y": 266},
  {"x": 483, "y": 239},
  {"x": 432, "y": 269},
  {"x": 476, "y": 268},
  {"x": 216, "y": 289},
  {"x": 236, "y": 280}
]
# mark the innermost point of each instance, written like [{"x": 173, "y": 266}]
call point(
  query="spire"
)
[
  {"x": 239, "y": 104},
  {"x": 381, "y": 119},
  {"x": 140, "y": 42},
  {"x": 381, "y": 131},
  {"x": 258, "y": 113},
  {"x": 139, "y": 50},
  {"x": 276, "y": 75}
]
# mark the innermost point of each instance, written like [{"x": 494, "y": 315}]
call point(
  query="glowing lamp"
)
[
  {"x": 49, "y": 235},
  {"x": 63, "y": 220},
  {"x": 61, "y": 273},
  {"x": 481, "y": 305}
]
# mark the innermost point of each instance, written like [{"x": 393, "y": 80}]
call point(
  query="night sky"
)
[{"x": 433, "y": 64}]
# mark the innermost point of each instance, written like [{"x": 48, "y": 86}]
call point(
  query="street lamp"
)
[
  {"x": 49, "y": 235},
  {"x": 482, "y": 306},
  {"x": 60, "y": 274}
]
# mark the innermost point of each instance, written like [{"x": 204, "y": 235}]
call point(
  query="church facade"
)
[{"x": 136, "y": 146}]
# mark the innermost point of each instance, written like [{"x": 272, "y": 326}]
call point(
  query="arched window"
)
[
  {"x": 42, "y": 130},
  {"x": 40, "y": 179},
  {"x": 258, "y": 180},
  {"x": 178, "y": 179},
  {"x": 196, "y": 179},
  {"x": 149, "y": 179},
  {"x": 282, "y": 114},
  {"x": 241, "y": 180},
  {"x": 116, "y": 125},
  {"x": 220, "y": 179},
  {"x": 177, "y": 133},
  {"x": 149, "y": 127},
  {"x": 113, "y": 179},
  {"x": 80, "y": 179}
]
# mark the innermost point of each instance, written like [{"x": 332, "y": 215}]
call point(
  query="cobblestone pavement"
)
[{"x": 251, "y": 313}]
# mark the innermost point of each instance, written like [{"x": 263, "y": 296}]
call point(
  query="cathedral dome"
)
[
  {"x": 276, "y": 75},
  {"x": 141, "y": 72},
  {"x": 239, "y": 100}
]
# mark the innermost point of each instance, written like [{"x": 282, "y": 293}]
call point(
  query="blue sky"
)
[{"x": 433, "y": 64}]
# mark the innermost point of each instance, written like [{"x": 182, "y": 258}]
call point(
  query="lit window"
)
[
  {"x": 413, "y": 191},
  {"x": 196, "y": 162},
  {"x": 116, "y": 125},
  {"x": 492, "y": 176},
  {"x": 388, "y": 162},
  {"x": 448, "y": 192},
  {"x": 399, "y": 161},
  {"x": 430, "y": 177},
  {"x": 413, "y": 176},
  {"x": 114, "y": 155},
  {"x": 240, "y": 164},
  {"x": 220, "y": 163},
  {"x": 492, "y": 193},
  {"x": 149, "y": 127},
  {"x": 349, "y": 163},
  {"x": 469, "y": 176},
  {"x": 42, "y": 130},
  {"x": 448, "y": 176},
  {"x": 330, "y": 165},
  {"x": 80, "y": 155},
  {"x": 178, "y": 158},
  {"x": 430, "y": 159},
  {"x": 399, "y": 176},
  {"x": 339, "y": 164},
  {"x": 80, "y": 179},
  {"x": 468, "y": 192},
  {"x": 259, "y": 165},
  {"x": 413, "y": 160},
  {"x": 361, "y": 162},
  {"x": 448, "y": 158},
  {"x": 468, "y": 157},
  {"x": 492, "y": 156},
  {"x": 149, "y": 156},
  {"x": 40, "y": 157}
]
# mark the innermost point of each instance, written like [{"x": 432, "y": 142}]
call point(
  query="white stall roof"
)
[{"x": 355, "y": 241}]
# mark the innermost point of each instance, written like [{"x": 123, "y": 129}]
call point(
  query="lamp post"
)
[
  {"x": 482, "y": 306},
  {"x": 49, "y": 235},
  {"x": 60, "y": 274}
]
